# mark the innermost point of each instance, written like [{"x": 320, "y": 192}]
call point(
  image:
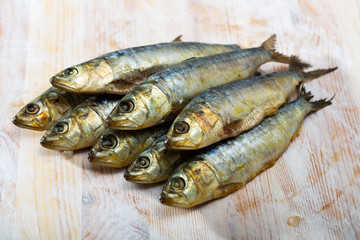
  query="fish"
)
[
  {"x": 120, "y": 148},
  {"x": 227, "y": 166},
  {"x": 228, "y": 110},
  {"x": 82, "y": 126},
  {"x": 163, "y": 95},
  {"x": 120, "y": 71},
  {"x": 155, "y": 163},
  {"x": 43, "y": 111}
]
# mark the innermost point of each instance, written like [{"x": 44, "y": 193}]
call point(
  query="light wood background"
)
[{"x": 311, "y": 193}]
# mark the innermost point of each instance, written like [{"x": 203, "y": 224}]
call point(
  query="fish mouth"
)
[
  {"x": 166, "y": 200},
  {"x": 103, "y": 160},
  {"x": 121, "y": 123},
  {"x": 64, "y": 84},
  {"x": 55, "y": 143},
  {"x": 179, "y": 143},
  {"x": 136, "y": 177},
  {"x": 48, "y": 142},
  {"x": 32, "y": 125}
]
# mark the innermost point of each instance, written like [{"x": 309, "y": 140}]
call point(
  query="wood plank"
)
[{"x": 313, "y": 190}]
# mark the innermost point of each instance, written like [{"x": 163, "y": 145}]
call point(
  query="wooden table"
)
[{"x": 311, "y": 193}]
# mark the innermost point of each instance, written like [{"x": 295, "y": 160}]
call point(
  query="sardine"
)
[
  {"x": 163, "y": 95},
  {"x": 82, "y": 126},
  {"x": 227, "y": 166},
  {"x": 226, "y": 111},
  {"x": 119, "y": 148},
  {"x": 42, "y": 112},
  {"x": 118, "y": 72},
  {"x": 155, "y": 164}
]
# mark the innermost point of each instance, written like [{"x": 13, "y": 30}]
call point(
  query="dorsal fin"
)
[{"x": 177, "y": 39}]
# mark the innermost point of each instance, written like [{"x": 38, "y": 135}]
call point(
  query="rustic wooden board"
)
[{"x": 313, "y": 192}]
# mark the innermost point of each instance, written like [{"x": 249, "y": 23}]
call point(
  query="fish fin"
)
[
  {"x": 297, "y": 65},
  {"x": 227, "y": 189},
  {"x": 317, "y": 73},
  {"x": 315, "y": 105},
  {"x": 177, "y": 39},
  {"x": 269, "y": 45},
  {"x": 119, "y": 87},
  {"x": 123, "y": 86},
  {"x": 252, "y": 119}
]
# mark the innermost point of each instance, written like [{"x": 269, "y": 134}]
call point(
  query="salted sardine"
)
[
  {"x": 163, "y": 95},
  {"x": 82, "y": 126},
  {"x": 227, "y": 166}
]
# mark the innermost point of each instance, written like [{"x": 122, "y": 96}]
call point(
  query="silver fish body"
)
[
  {"x": 82, "y": 126},
  {"x": 163, "y": 95},
  {"x": 227, "y": 166},
  {"x": 228, "y": 110},
  {"x": 120, "y": 71}
]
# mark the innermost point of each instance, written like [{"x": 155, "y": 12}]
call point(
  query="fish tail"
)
[
  {"x": 269, "y": 45},
  {"x": 314, "y": 105},
  {"x": 317, "y": 73},
  {"x": 297, "y": 64}
]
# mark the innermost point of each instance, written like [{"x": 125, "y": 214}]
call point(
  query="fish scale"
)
[
  {"x": 224, "y": 67},
  {"x": 230, "y": 109},
  {"x": 230, "y": 164},
  {"x": 118, "y": 72},
  {"x": 163, "y": 95}
]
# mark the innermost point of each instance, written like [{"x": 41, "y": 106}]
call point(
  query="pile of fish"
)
[{"x": 195, "y": 115}]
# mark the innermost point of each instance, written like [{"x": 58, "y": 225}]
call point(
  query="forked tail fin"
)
[
  {"x": 315, "y": 105},
  {"x": 269, "y": 45},
  {"x": 297, "y": 64},
  {"x": 317, "y": 73}
]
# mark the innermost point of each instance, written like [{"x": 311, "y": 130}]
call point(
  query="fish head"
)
[
  {"x": 111, "y": 150},
  {"x": 152, "y": 165},
  {"x": 40, "y": 113},
  {"x": 197, "y": 126},
  {"x": 143, "y": 107},
  {"x": 87, "y": 77},
  {"x": 73, "y": 131},
  {"x": 191, "y": 184}
]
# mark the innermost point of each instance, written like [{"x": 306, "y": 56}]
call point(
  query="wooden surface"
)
[{"x": 311, "y": 193}]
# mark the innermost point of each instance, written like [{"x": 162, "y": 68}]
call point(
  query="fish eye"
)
[
  {"x": 108, "y": 141},
  {"x": 181, "y": 127},
  {"x": 126, "y": 106},
  {"x": 32, "y": 108},
  {"x": 143, "y": 162},
  {"x": 61, "y": 127},
  {"x": 71, "y": 71},
  {"x": 178, "y": 183}
]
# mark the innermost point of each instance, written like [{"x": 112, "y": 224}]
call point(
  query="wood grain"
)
[{"x": 312, "y": 192}]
